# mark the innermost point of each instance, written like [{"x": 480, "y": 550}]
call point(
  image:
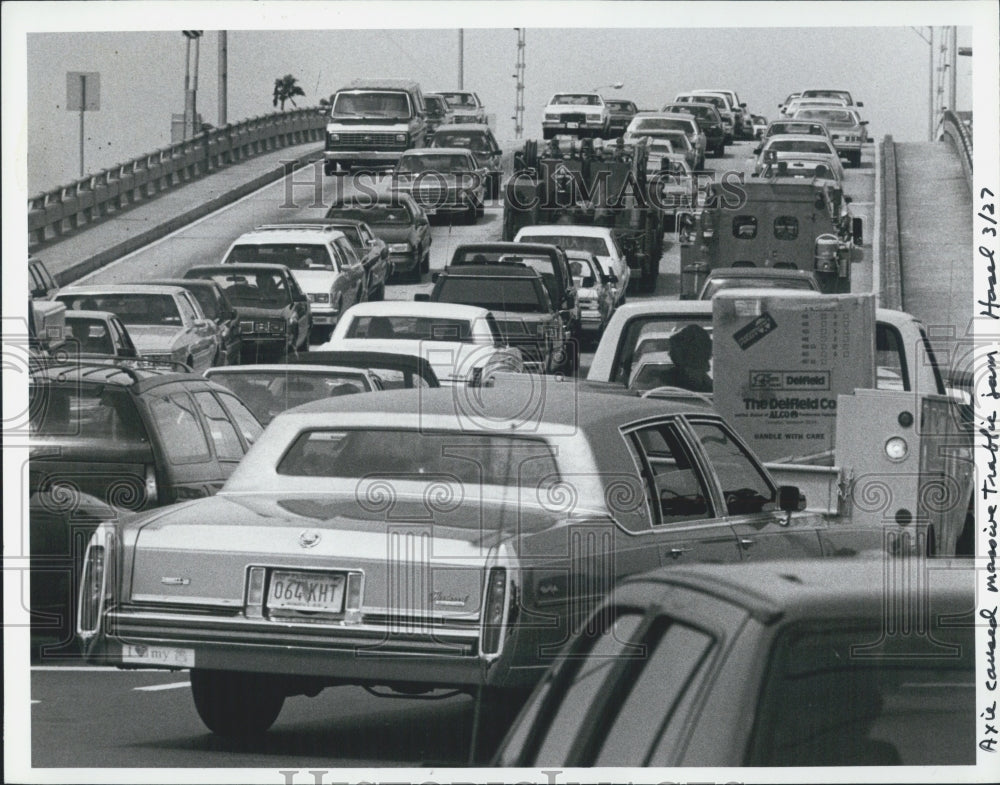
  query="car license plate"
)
[
  {"x": 572, "y": 125},
  {"x": 170, "y": 656},
  {"x": 306, "y": 591},
  {"x": 430, "y": 210},
  {"x": 322, "y": 320}
]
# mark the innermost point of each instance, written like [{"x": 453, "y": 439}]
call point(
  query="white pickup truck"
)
[{"x": 902, "y": 455}]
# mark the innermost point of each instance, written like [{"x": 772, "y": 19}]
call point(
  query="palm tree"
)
[{"x": 285, "y": 89}]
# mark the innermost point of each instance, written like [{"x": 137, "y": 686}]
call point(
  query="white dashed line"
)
[{"x": 156, "y": 687}]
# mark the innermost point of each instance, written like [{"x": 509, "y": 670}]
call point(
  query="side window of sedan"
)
[
  {"x": 674, "y": 487},
  {"x": 189, "y": 311},
  {"x": 745, "y": 489},
  {"x": 350, "y": 258}
]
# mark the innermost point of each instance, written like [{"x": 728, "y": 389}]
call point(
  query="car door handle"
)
[
  {"x": 746, "y": 542},
  {"x": 676, "y": 552}
]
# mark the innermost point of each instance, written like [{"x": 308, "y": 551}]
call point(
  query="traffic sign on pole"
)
[{"x": 83, "y": 94}]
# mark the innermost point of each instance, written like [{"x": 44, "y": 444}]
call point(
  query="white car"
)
[
  {"x": 721, "y": 103},
  {"x": 848, "y": 130},
  {"x": 598, "y": 240},
  {"x": 809, "y": 165},
  {"x": 576, "y": 114},
  {"x": 462, "y": 343},
  {"x": 165, "y": 323},
  {"x": 786, "y": 145},
  {"x": 465, "y": 106},
  {"x": 320, "y": 258},
  {"x": 652, "y": 124}
]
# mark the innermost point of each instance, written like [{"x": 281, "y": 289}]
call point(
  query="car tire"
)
[
  {"x": 493, "y": 715},
  {"x": 236, "y": 705},
  {"x": 425, "y": 263},
  {"x": 720, "y": 150},
  {"x": 330, "y": 168},
  {"x": 547, "y": 133}
]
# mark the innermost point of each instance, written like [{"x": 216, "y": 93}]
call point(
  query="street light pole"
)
[
  {"x": 461, "y": 58},
  {"x": 223, "y": 76}
]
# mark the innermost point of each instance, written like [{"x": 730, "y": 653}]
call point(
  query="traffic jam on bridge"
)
[{"x": 593, "y": 450}]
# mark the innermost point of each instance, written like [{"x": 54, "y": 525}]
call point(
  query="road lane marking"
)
[{"x": 156, "y": 687}]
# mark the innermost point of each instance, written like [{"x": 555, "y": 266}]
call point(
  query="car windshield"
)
[
  {"x": 91, "y": 335},
  {"x": 478, "y": 143},
  {"x": 568, "y": 99},
  {"x": 444, "y": 162},
  {"x": 83, "y": 410},
  {"x": 568, "y": 242},
  {"x": 799, "y": 146},
  {"x": 268, "y": 393},
  {"x": 297, "y": 256},
  {"x": 581, "y": 269},
  {"x": 435, "y": 106},
  {"x": 714, "y": 285},
  {"x": 467, "y": 458},
  {"x": 249, "y": 288},
  {"x": 827, "y": 116},
  {"x": 460, "y": 99},
  {"x": 410, "y": 328},
  {"x": 795, "y": 128},
  {"x": 523, "y": 295},
  {"x": 841, "y": 94},
  {"x": 372, "y": 104},
  {"x": 132, "y": 309}
]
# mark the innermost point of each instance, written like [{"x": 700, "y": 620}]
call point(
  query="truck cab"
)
[{"x": 372, "y": 122}]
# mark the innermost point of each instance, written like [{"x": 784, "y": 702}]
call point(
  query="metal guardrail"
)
[
  {"x": 112, "y": 191},
  {"x": 890, "y": 266},
  {"x": 954, "y": 129}
]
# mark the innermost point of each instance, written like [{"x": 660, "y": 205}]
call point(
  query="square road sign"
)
[{"x": 83, "y": 91}]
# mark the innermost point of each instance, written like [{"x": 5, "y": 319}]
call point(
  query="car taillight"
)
[
  {"x": 493, "y": 610},
  {"x": 254, "y": 608},
  {"x": 95, "y": 587},
  {"x": 277, "y": 328},
  {"x": 152, "y": 494}
]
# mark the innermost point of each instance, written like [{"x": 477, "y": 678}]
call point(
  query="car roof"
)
[
  {"x": 416, "y": 308},
  {"x": 664, "y": 116},
  {"x": 790, "y": 590},
  {"x": 563, "y": 404},
  {"x": 251, "y": 368},
  {"x": 271, "y": 233},
  {"x": 392, "y": 198},
  {"x": 464, "y": 128},
  {"x": 382, "y": 84},
  {"x": 184, "y": 283},
  {"x": 570, "y": 230},
  {"x": 793, "y": 137},
  {"x": 491, "y": 270},
  {"x": 518, "y": 248},
  {"x": 237, "y": 266},
  {"x": 102, "y": 315},
  {"x": 760, "y": 272},
  {"x": 120, "y": 288},
  {"x": 421, "y": 151},
  {"x": 137, "y": 379}
]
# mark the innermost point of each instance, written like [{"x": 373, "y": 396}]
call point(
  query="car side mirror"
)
[
  {"x": 864, "y": 122},
  {"x": 299, "y": 298},
  {"x": 233, "y": 314},
  {"x": 422, "y": 297},
  {"x": 434, "y": 277},
  {"x": 791, "y": 499},
  {"x": 860, "y": 103},
  {"x": 743, "y": 106},
  {"x": 857, "y": 231},
  {"x": 612, "y": 278}
]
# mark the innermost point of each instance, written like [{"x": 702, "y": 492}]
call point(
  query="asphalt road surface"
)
[{"x": 106, "y": 718}]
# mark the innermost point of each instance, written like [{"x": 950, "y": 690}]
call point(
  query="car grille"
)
[
  {"x": 369, "y": 139},
  {"x": 522, "y": 335},
  {"x": 574, "y": 118}
]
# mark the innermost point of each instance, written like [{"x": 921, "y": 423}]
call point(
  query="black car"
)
[
  {"x": 708, "y": 119},
  {"x": 399, "y": 222},
  {"x": 517, "y": 297},
  {"x": 107, "y": 439},
  {"x": 622, "y": 113},
  {"x": 216, "y": 306},
  {"x": 839, "y": 662},
  {"x": 549, "y": 260},
  {"x": 395, "y": 371},
  {"x": 273, "y": 312},
  {"x": 479, "y": 139}
]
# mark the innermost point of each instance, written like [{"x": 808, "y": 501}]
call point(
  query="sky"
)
[{"x": 884, "y": 62}]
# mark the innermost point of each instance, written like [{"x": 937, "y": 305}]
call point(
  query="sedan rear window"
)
[
  {"x": 132, "y": 309},
  {"x": 595, "y": 245},
  {"x": 468, "y": 459},
  {"x": 521, "y": 295},
  {"x": 410, "y": 328},
  {"x": 92, "y": 411},
  {"x": 295, "y": 256}
]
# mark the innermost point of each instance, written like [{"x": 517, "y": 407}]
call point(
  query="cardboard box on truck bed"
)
[{"x": 781, "y": 360}]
